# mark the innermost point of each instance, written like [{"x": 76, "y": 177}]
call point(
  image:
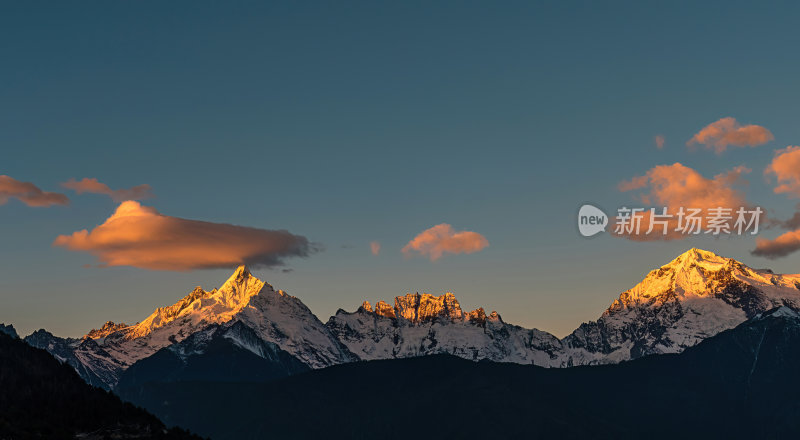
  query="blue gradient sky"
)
[{"x": 360, "y": 122}]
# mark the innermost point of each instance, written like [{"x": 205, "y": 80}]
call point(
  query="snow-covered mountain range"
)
[{"x": 693, "y": 297}]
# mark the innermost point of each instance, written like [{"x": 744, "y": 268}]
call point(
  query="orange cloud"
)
[
  {"x": 441, "y": 239},
  {"x": 782, "y": 246},
  {"x": 93, "y": 186},
  {"x": 375, "y": 247},
  {"x": 786, "y": 167},
  {"x": 727, "y": 131},
  {"x": 140, "y": 236},
  {"x": 675, "y": 186},
  {"x": 659, "y": 139},
  {"x": 28, "y": 193},
  {"x": 635, "y": 183}
]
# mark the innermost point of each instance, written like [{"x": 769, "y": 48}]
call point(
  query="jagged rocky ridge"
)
[
  {"x": 695, "y": 296},
  {"x": 423, "y": 324}
]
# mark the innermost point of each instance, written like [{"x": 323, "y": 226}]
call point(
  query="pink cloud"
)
[
  {"x": 140, "y": 236},
  {"x": 675, "y": 186},
  {"x": 786, "y": 168},
  {"x": 728, "y": 132},
  {"x": 28, "y": 193},
  {"x": 659, "y": 139},
  {"x": 441, "y": 239},
  {"x": 375, "y": 247},
  {"x": 93, "y": 186}
]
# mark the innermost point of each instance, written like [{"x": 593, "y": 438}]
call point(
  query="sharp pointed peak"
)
[
  {"x": 241, "y": 275},
  {"x": 242, "y": 270},
  {"x": 215, "y": 305},
  {"x": 241, "y": 281}
]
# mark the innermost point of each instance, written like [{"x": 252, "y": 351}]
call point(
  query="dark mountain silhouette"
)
[{"x": 43, "y": 398}]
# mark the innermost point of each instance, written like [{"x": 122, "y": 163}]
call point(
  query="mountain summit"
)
[
  {"x": 693, "y": 297},
  {"x": 200, "y": 307}
]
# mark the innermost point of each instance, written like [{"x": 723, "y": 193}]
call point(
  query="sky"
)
[{"x": 359, "y": 151}]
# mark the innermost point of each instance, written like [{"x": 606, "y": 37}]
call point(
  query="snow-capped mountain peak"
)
[
  {"x": 202, "y": 307},
  {"x": 698, "y": 273},
  {"x": 696, "y": 255},
  {"x": 239, "y": 288},
  {"x": 693, "y": 297},
  {"x": 274, "y": 316}
]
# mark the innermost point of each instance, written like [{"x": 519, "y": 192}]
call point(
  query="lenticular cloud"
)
[{"x": 140, "y": 236}]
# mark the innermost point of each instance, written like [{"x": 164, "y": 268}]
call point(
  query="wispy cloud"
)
[
  {"x": 727, "y": 132},
  {"x": 659, "y": 140},
  {"x": 93, "y": 186},
  {"x": 139, "y": 236},
  {"x": 443, "y": 239},
  {"x": 375, "y": 247},
  {"x": 28, "y": 193}
]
